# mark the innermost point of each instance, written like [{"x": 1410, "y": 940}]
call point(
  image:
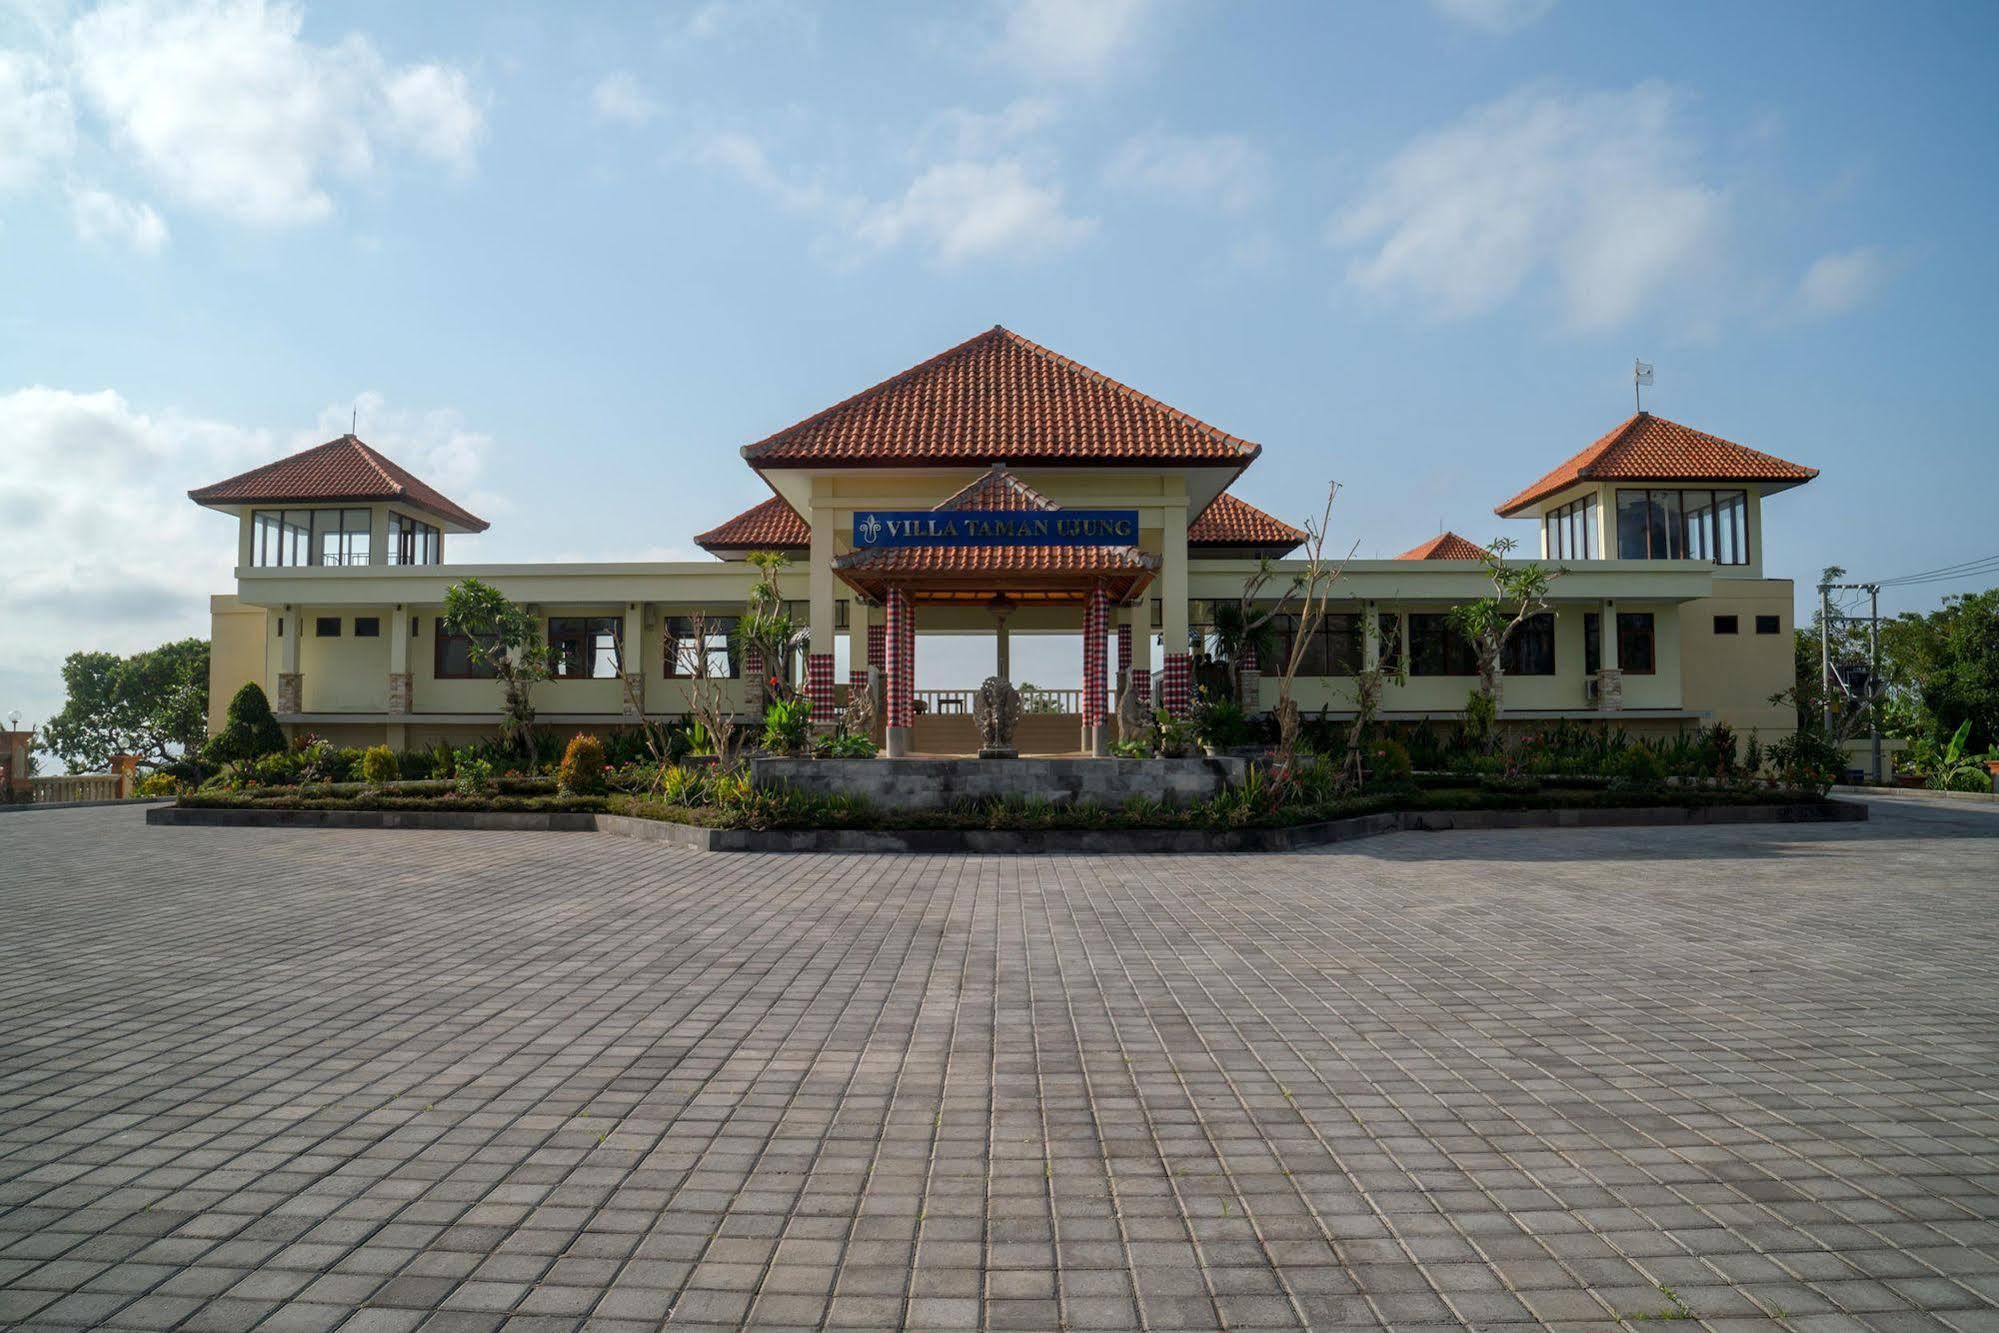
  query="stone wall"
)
[{"x": 937, "y": 784}]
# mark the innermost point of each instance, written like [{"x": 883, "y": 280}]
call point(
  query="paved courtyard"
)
[{"x": 390, "y": 1080}]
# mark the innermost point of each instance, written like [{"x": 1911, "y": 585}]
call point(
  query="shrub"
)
[
  {"x": 415, "y": 765},
  {"x": 249, "y": 730},
  {"x": 582, "y": 770},
  {"x": 786, "y": 725},
  {"x": 1131, "y": 750},
  {"x": 443, "y": 763},
  {"x": 683, "y": 786},
  {"x": 378, "y": 765},
  {"x": 1968, "y": 779},
  {"x": 475, "y": 772},
  {"x": 1388, "y": 763},
  {"x": 1640, "y": 767},
  {"x": 1808, "y": 761},
  {"x": 1220, "y": 723},
  {"x": 155, "y": 785},
  {"x": 846, "y": 746}
]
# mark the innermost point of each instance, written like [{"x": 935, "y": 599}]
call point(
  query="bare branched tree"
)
[
  {"x": 708, "y": 696},
  {"x": 1312, "y": 588}
]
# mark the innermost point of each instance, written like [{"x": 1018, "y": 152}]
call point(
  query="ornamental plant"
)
[
  {"x": 249, "y": 731},
  {"x": 786, "y": 724},
  {"x": 379, "y": 765},
  {"x": 582, "y": 769},
  {"x": 507, "y": 641}
]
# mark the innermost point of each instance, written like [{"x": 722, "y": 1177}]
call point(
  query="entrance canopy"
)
[{"x": 978, "y": 574}]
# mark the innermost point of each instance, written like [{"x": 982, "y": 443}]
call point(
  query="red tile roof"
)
[
  {"x": 345, "y": 470},
  {"x": 770, "y": 526},
  {"x": 1444, "y": 546},
  {"x": 1649, "y": 448},
  {"x": 999, "y": 489},
  {"x": 1000, "y": 398},
  {"x": 1232, "y": 522},
  {"x": 1081, "y": 560}
]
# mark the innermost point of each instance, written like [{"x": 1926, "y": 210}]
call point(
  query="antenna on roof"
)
[
  {"x": 1641, "y": 373},
  {"x": 354, "y": 421}
]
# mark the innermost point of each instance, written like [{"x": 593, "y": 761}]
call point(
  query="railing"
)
[
  {"x": 1035, "y": 700},
  {"x": 79, "y": 787}
]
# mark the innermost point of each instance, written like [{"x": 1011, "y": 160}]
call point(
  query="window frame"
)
[
  {"x": 1663, "y": 517},
  {"x": 319, "y": 624},
  {"x": 1336, "y": 643},
  {"x": 1569, "y": 526},
  {"x": 670, "y": 656},
  {"x": 373, "y": 628},
  {"x": 1728, "y": 625},
  {"x": 1436, "y": 646},
  {"x": 1545, "y": 629},
  {"x": 1775, "y": 624},
  {"x": 1593, "y": 642},
  {"x": 411, "y": 541},
  {"x": 474, "y": 669},
  {"x": 585, "y": 634}
]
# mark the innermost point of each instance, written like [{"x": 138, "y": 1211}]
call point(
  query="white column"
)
[
  {"x": 820, "y": 580},
  {"x": 1606, "y": 623},
  {"x": 1173, "y": 582}
]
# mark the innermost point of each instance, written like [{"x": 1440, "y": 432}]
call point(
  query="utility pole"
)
[{"x": 1874, "y": 671}]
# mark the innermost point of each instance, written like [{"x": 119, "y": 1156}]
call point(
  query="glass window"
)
[
  {"x": 326, "y": 627},
  {"x": 683, "y": 654},
  {"x": 453, "y": 659},
  {"x": 584, "y": 647},
  {"x": 1334, "y": 649},
  {"x": 280, "y": 537},
  {"x": 339, "y": 537},
  {"x": 1635, "y": 655},
  {"x": 1731, "y": 518},
  {"x": 367, "y": 627},
  {"x": 1632, "y": 522},
  {"x": 1437, "y": 649},
  {"x": 1683, "y": 525},
  {"x": 1697, "y": 524},
  {"x": 1531, "y": 650},
  {"x": 1726, "y": 624},
  {"x": 1571, "y": 530},
  {"x": 412, "y": 542},
  {"x": 1769, "y": 625}
]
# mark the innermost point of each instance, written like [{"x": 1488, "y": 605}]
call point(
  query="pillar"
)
[
  {"x": 1610, "y": 672},
  {"x": 1177, "y": 697},
  {"x": 819, "y": 690},
  {"x": 1096, "y": 624},
  {"x": 632, "y": 661},
  {"x": 898, "y": 642},
  {"x": 1138, "y": 621},
  {"x": 819, "y": 653},
  {"x": 400, "y": 682},
  {"x": 1123, "y": 647},
  {"x": 291, "y": 680}
]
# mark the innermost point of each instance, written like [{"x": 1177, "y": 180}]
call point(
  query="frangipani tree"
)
[
  {"x": 1518, "y": 591},
  {"x": 508, "y": 641}
]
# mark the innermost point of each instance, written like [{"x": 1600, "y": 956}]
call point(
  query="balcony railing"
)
[{"x": 1034, "y": 700}]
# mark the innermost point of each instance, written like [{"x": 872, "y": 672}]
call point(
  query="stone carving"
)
[
  {"x": 1610, "y": 690},
  {"x": 1134, "y": 722},
  {"x": 860, "y": 719},
  {"x": 399, "y": 692},
  {"x": 291, "y": 692},
  {"x": 996, "y": 709}
]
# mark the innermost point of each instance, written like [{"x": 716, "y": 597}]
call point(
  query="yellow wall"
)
[
  {"x": 345, "y": 674},
  {"x": 237, "y": 635},
  {"x": 1733, "y": 676}
]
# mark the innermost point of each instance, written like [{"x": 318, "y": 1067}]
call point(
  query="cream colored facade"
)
[{"x": 268, "y": 629}]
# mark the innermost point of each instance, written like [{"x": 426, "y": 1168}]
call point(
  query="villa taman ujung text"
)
[{"x": 996, "y": 489}]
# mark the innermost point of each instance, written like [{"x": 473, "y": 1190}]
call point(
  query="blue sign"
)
[{"x": 995, "y": 527}]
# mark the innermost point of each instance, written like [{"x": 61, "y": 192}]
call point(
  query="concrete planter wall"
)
[{"x": 938, "y": 784}]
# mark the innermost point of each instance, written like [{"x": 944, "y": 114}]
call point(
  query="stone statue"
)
[
  {"x": 860, "y": 720},
  {"x": 996, "y": 708},
  {"x": 1134, "y": 720}
]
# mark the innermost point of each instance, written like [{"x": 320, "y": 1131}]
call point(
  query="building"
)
[{"x": 997, "y": 489}]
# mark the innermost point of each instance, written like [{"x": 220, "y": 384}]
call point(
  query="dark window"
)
[
  {"x": 1393, "y": 648},
  {"x": 1333, "y": 650},
  {"x": 1635, "y": 655},
  {"x": 412, "y": 542},
  {"x": 1683, "y": 525},
  {"x": 1726, "y": 624},
  {"x": 452, "y": 658},
  {"x": 1437, "y": 649},
  {"x": 1769, "y": 625},
  {"x": 584, "y": 647},
  {"x": 682, "y": 654},
  {"x": 1571, "y": 530},
  {"x": 1531, "y": 650},
  {"x": 326, "y": 627},
  {"x": 367, "y": 627}
]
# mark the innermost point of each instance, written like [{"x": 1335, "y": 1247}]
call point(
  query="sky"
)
[{"x": 562, "y": 261}]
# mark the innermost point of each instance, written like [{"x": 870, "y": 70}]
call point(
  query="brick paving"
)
[{"x": 284, "y": 1079}]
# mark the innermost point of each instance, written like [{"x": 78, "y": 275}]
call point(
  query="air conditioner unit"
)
[{"x": 1591, "y": 688}]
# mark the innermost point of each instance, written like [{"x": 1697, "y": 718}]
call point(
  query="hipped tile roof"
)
[
  {"x": 1444, "y": 546},
  {"x": 770, "y": 526},
  {"x": 1000, "y": 398},
  {"x": 1649, "y": 448},
  {"x": 999, "y": 490},
  {"x": 1232, "y": 522},
  {"x": 339, "y": 470},
  {"x": 1065, "y": 560}
]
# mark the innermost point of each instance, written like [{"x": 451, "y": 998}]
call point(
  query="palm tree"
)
[{"x": 1240, "y": 635}]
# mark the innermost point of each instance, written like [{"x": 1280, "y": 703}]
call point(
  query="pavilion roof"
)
[
  {"x": 1649, "y": 448},
  {"x": 339, "y": 470}
]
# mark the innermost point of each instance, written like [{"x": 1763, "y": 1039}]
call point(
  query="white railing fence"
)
[{"x": 1035, "y": 700}]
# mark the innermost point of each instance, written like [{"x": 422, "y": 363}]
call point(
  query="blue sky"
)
[{"x": 565, "y": 260}]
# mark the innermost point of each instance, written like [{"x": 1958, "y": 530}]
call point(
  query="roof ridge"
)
[
  {"x": 750, "y": 451},
  {"x": 375, "y": 461},
  {"x": 1071, "y": 363}
]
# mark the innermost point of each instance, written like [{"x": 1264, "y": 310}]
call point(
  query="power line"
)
[{"x": 1983, "y": 564}]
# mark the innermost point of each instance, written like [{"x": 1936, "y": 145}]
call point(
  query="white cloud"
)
[
  {"x": 1223, "y": 171},
  {"x": 974, "y": 210},
  {"x": 620, "y": 99},
  {"x": 101, "y": 216},
  {"x": 1070, "y": 39},
  {"x": 37, "y": 122},
  {"x": 1838, "y": 282},
  {"x": 972, "y": 134},
  {"x": 1599, "y": 192},
  {"x": 233, "y": 112},
  {"x": 956, "y": 210},
  {"x": 102, "y": 547},
  {"x": 1499, "y": 16},
  {"x": 730, "y": 21}
]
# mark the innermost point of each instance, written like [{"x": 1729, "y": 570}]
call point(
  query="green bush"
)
[
  {"x": 474, "y": 772},
  {"x": 1969, "y": 779},
  {"x": 443, "y": 762},
  {"x": 155, "y": 785},
  {"x": 786, "y": 725},
  {"x": 249, "y": 730},
  {"x": 378, "y": 765},
  {"x": 414, "y": 765},
  {"x": 582, "y": 769},
  {"x": 1808, "y": 760},
  {"x": 1641, "y": 767},
  {"x": 845, "y": 746},
  {"x": 1388, "y": 764}
]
